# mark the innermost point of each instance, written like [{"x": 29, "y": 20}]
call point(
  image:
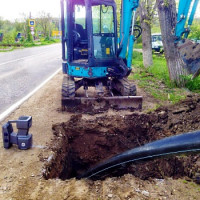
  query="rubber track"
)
[
  {"x": 68, "y": 87},
  {"x": 129, "y": 89}
]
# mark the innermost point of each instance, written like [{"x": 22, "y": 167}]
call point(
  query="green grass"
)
[
  {"x": 138, "y": 45},
  {"x": 51, "y": 41},
  {"x": 41, "y": 42},
  {"x": 185, "y": 181},
  {"x": 29, "y": 44},
  {"x": 193, "y": 84},
  {"x": 155, "y": 29},
  {"x": 6, "y": 48},
  {"x": 160, "y": 70},
  {"x": 155, "y": 79}
]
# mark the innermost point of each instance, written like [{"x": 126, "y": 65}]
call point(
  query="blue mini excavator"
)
[{"x": 93, "y": 56}]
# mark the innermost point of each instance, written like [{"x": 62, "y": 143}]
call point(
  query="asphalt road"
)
[{"x": 21, "y": 71}]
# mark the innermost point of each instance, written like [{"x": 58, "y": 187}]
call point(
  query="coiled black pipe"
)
[{"x": 187, "y": 142}]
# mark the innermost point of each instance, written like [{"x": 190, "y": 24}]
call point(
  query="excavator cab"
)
[
  {"x": 103, "y": 32},
  {"x": 90, "y": 54},
  {"x": 79, "y": 35},
  {"x": 90, "y": 35}
]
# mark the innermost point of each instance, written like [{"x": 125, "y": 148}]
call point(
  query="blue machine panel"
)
[{"x": 87, "y": 72}]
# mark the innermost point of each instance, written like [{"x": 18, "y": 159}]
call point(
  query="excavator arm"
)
[
  {"x": 127, "y": 22},
  {"x": 183, "y": 13}
]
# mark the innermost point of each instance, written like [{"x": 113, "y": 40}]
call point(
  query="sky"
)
[{"x": 13, "y": 9}]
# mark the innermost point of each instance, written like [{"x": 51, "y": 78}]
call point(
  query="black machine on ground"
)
[
  {"x": 92, "y": 56},
  {"x": 22, "y": 139}
]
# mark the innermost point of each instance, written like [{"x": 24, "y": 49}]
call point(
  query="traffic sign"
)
[
  {"x": 56, "y": 33},
  {"x": 31, "y": 22},
  {"x": 32, "y": 28}
]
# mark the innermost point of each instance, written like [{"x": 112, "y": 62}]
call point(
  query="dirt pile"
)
[
  {"x": 190, "y": 52},
  {"x": 81, "y": 143}
]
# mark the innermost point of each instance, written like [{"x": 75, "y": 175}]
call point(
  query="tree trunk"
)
[
  {"x": 145, "y": 21},
  {"x": 167, "y": 18},
  {"x": 146, "y": 44}
]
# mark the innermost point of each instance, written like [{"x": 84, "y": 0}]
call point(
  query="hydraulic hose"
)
[{"x": 187, "y": 142}]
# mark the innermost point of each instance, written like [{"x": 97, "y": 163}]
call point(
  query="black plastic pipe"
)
[{"x": 187, "y": 142}]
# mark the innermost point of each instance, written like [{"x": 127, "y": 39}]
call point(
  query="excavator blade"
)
[
  {"x": 96, "y": 105},
  {"x": 190, "y": 53}
]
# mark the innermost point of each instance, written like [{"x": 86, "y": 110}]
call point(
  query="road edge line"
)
[{"x": 20, "y": 102}]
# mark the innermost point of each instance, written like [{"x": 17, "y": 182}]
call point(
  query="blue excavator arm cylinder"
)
[
  {"x": 126, "y": 40},
  {"x": 131, "y": 42},
  {"x": 191, "y": 18},
  {"x": 195, "y": 5},
  {"x": 183, "y": 12},
  {"x": 130, "y": 53}
]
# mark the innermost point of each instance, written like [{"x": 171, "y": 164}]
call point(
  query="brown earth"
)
[
  {"x": 22, "y": 172},
  {"x": 106, "y": 136},
  {"x": 190, "y": 50}
]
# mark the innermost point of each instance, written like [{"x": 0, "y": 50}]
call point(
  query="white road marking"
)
[
  {"x": 16, "y": 105},
  {"x": 11, "y": 61}
]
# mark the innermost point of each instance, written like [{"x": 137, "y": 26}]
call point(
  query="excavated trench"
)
[{"x": 80, "y": 144}]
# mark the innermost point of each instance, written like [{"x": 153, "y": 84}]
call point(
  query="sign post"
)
[{"x": 31, "y": 23}]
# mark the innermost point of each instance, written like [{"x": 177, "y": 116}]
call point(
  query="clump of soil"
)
[{"x": 81, "y": 143}]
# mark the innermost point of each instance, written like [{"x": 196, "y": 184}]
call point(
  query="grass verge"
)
[
  {"x": 155, "y": 79},
  {"x": 6, "y": 48},
  {"x": 137, "y": 45},
  {"x": 193, "y": 84},
  {"x": 40, "y": 43}
]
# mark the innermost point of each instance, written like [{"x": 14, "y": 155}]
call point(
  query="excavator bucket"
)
[
  {"x": 101, "y": 104},
  {"x": 190, "y": 53}
]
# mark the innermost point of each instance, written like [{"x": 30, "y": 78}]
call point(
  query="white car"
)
[{"x": 157, "y": 44}]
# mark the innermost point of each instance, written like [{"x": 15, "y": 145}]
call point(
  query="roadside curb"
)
[{"x": 20, "y": 102}]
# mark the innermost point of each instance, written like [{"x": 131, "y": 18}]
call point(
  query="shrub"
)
[
  {"x": 192, "y": 84},
  {"x": 29, "y": 38},
  {"x": 195, "y": 31},
  {"x": 8, "y": 39}
]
